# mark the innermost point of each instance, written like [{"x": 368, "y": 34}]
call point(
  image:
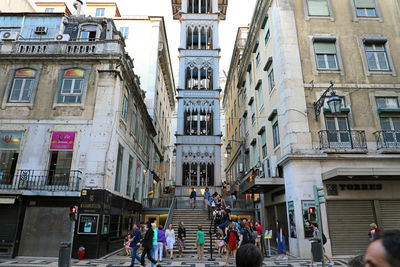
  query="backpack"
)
[
  {"x": 232, "y": 239},
  {"x": 324, "y": 239},
  {"x": 247, "y": 237}
]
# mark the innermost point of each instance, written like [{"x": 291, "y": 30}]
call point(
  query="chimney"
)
[{"x": 78, "y": 6}]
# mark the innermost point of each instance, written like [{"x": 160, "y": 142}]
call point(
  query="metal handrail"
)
[
  {"x": 387, "y": 139},
  {"x": 170, "y": 213}
]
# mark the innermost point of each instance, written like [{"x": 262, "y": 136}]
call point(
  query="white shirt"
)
[{"x": 170, "y": 234}]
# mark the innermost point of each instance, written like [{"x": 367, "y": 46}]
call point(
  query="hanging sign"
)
[
  {"x": 268, "y": 234},
  {"x": 62, "y": 141}
]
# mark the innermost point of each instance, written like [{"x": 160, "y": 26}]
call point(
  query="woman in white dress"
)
[{"x": 170, "y": 238}]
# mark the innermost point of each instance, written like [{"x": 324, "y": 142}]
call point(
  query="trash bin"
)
[
  {"x": 317, "y": 253},
  {"x": 64, "y": 254}
]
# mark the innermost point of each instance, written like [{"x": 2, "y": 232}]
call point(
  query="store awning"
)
[
  {"x": 342, "y": 174},
  {"x": 254, "y": 184}
]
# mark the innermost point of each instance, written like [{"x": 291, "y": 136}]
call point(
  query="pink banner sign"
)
[{"x": 62, "y": 141}]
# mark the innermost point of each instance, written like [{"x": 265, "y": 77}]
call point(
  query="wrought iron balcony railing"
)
[
  {"x": 388, "y": 140},
  {"x": 342, "y": 140},
  {"x": 66, "y": 181}
]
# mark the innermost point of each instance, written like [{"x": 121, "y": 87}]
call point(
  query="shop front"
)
[
  {"x": 355, "y": 199},
  {"x": 104, "y": 220},
  {"x": 10, "y": 143}
]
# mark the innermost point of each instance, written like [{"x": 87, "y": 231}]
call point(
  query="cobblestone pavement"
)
[{"x": 118, "y": 260}]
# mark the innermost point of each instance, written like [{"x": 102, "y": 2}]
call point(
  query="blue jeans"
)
[
  {"x": 281, "y": 245},
  {"x": 135, "y": 256},
  {"x": 153, "y": 254}
]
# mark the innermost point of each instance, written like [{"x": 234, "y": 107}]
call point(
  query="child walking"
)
[{"x": 200, "y": 242}]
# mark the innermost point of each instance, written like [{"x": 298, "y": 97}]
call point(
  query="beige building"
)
[
  {"x": 295, "y": 140},
  {"x": 52, "y": 7},
  {"x": 16, "y": 6}
]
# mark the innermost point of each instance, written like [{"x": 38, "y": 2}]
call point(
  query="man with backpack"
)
[
  {"x": 245, "y": 236},
  {"x": 316, "y": 239},
  {"x": 231, "y": 240}
]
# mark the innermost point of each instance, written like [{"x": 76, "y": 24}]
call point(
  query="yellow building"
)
[{"x": 52, "y": 7}]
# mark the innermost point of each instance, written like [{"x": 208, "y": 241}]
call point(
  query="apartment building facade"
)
[
  {"x": 293, "y": 51},
  {"x": 74, "y": 131}
]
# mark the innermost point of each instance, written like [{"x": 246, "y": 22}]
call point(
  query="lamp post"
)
[{"x": 334, "y": 102}]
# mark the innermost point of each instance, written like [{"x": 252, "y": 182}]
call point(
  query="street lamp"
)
[
  {"x": 334, "y": 102},
  {"x": 228, "y": 148}
]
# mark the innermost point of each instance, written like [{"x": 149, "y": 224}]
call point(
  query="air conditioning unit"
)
[
  {"x": 62, "y": 37},
  {"x": 9, "y": 36},
  {"x": 41, "y": 30}
]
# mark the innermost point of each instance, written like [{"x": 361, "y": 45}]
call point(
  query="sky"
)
[{"x": 239, "y": 14}]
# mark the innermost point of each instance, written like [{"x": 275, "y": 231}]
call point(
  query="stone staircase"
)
[{"x": 191, "y": 219}]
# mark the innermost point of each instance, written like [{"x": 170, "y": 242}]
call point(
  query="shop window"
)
[
  {"x": 72, "y": 86},
  {"x": 60, "y": 167},
  {"x": 309, "y": 217},
  {"x": 22, "y": 86},
  {"x": 117, "y": 185}
]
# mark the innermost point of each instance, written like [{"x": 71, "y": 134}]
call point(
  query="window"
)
[
  {"x": 275, "y": 133},
  {"x": 267, "y": 36},
  {"x": 130, "y": 176},
  {"x": 264, "y": 144},
  {"x": 59, "y": 167},
  {"x": 22, "y": 86},
  {"x": 125, "y": 105},
  {"x": 318, "y": 8},
  {"x": 88, "y": 33},
  {"x": 49, "y": 10},
  {"x": 124, "y": 31},
  {"x": 338, "y": 132},
  {"x": 99, "y": 12},
  {"x": 325, "y": 54},
  {"x": 260, "y": 96},
  {"x": 387, "y": 102},
  {"x": 253, "y": 113},
  {"x": 234, "y": 108},
  {"x": 133, "y": 123},
  {"x": 246, "y": 124},
  {"x": 117, "y": 185},
  {"x": 258, "y": 59},
  {"x": 255, "y": 153},
  {"x": 391, "y": 130},
  {"x": 250, "y": 74},
  {"x": 72, "y": 86},
  {"x": 365, "y": 8},
  {"x": 376, "y": 56},
  {"x": 271, "y": 79}
]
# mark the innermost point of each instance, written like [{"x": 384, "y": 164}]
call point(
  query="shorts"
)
[
  {"x": 206, "y": 202},
  {"x": 191, "y": 200},
  {"x": 258, "y": 239},
  {"x": 231, "y": 247}
]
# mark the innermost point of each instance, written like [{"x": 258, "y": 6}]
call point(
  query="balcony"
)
[
  {"x": 343, "y": 141},
  {"x": 33, "y": 180},
  {"x": 78, "y": 47},
  {"x": 252, "y": 183},
  {"x": 388, "y": 141}
]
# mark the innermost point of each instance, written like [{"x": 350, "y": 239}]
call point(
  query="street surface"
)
[{"x": 118, "y": 260}]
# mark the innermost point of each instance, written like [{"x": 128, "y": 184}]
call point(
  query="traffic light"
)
[
  {"x": 311, "y": 210},
  {"x": 73, "y": 213},
  {"x": 319, "y": 194}
]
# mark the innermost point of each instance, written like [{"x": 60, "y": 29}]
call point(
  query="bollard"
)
[{"x": 64, "y": 254}]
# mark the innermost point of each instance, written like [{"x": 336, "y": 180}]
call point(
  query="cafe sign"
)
[
  {"x": 10, "y": 140},
  {"x": 63, "y": 141}
]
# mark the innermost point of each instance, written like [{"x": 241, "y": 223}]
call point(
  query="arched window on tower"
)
[
  {"x": 199, "y": 6},
  {"x": 192, "y": 78}
]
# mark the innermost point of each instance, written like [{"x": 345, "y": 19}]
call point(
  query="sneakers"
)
[
  {"x": 331, "y": 264},
  {"x": 284, "y": 258}
]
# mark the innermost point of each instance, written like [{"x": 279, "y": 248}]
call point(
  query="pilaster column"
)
[
  {"x": 182, "y": 72},
  {"x": 183, "y": 35},
  {"x": 180, "y": 117},
  {"x": 216, "y": 35},
  {"x": 184, "y": 6},
  {"x": 214, "y": 6}
]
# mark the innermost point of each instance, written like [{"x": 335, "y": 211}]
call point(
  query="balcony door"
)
[
  {"x": 391, "y": 131},
  {"x": 8, "y": 163},
  {"x": 60, "y": 167},
  {"x": 338, "y": 132}
]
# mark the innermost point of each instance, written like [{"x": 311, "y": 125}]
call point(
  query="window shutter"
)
[
  {"x": 324, "y": 48},
  {"x": 318, "y": 7},
  {"x": 365, "y": 3}
]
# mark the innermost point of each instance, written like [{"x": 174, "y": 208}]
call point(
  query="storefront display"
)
[{"x": 88, "y": 224}]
